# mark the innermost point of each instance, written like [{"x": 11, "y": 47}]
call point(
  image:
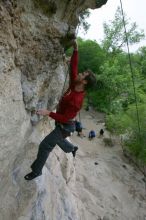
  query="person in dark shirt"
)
[
  {"x": 101, "y": 132},
  {"x": 78, "y": 127},
  {"x": 68, "y": 107},
  {"x": 91, "y": 135}
]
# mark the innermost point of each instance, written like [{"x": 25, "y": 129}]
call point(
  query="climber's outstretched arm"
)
[{"x": 74, "y": 62}]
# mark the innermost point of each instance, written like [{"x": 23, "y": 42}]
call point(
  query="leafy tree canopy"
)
[{"x": 115, "y": 36}]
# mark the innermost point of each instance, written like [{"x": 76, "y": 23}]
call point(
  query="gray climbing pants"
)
[{"x": 57, "y": 136}]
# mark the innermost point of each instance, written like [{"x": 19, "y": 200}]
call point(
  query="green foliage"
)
[
  {"x": 128, "y": 123},
  {"x": 90, "y": 55},
  {"x": 114, "y": 35},
  {"x": 117, "y": 123},
  {"x": 115, "y": 75},
  {"x": 141, "y": 59},
  {"x": 136, "y": 142}
]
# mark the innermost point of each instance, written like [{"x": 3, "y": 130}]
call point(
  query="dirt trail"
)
[{"x": 108, "y": 187}]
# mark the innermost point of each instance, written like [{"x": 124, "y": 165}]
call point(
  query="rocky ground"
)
[{"x": 108, "y": 187}]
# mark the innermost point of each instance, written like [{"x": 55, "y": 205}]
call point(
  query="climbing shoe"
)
[
  {"x": 74, "y": 151},
  {"x": 31, "y": 176}
]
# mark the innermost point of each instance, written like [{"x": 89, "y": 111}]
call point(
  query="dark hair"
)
[{"x": 91, "y": 80}]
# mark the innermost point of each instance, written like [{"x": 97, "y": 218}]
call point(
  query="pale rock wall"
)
[{"x": 32, "y": 74}]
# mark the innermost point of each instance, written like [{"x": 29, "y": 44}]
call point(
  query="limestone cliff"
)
[{"x": 33, "y": 34}]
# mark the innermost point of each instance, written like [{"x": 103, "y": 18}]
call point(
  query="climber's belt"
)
[{"x": 69, "y": 126}]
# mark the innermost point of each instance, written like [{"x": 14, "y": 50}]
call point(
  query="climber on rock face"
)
[{"x": 68, "y": 107}]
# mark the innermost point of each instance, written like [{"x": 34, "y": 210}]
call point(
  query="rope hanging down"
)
[
  {"x": 132, "y": 75},
  {"x": 131, "y": 69}
]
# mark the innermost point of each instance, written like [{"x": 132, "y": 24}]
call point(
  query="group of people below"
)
[{"x": 92, "y": 133}]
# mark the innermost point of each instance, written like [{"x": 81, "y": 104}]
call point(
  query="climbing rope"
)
[
  {"x": 131, "y": 69},
  {"x": 133, "y": 82}
]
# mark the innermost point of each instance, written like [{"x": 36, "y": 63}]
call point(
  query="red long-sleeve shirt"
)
[{"x": 71, "y": 102}]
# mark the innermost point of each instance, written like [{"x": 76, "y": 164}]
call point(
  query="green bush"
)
[
  {"x": 118, "y": 123},
  {"x": 134, "y": 127}
]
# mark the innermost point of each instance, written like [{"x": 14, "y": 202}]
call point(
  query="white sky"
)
[{"x": 134, "y": 9}]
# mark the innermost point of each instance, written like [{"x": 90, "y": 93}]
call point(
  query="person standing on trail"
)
[
  {"x": 78, "y": 128},
  {"x": 68, "y": 107},
  {"x": 101, "y": 132}
]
